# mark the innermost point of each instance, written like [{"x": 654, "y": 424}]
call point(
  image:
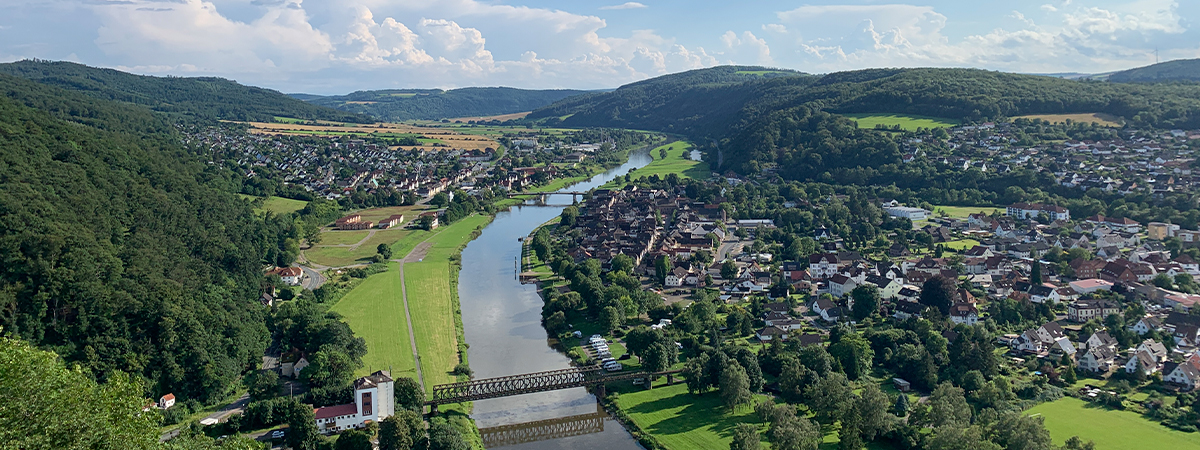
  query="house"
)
[
  {"x": 964, "y": 313},
  {"x": 1101, "y": 338},
  {"x": 675, "y": 277},
  {"x": 1155, "y": 349},
  {"x": 1091, "y": 285},
  {"x": 827, "y": 309},
  {"x": 888, "y": 287},
  {"x": 433, "y": 218},
  {"x": 289, "y": 275},
  {"x": 373, "y": 402},
  {"x": 1087, "y": 268},
  {"x": 913, "y": 214},
  {"x": 391, "y": 221},
  {"x": 1146, "y": 325},
  {"x": 823, "y": 265},
  {"x": 1034, "y": 210},
  {"x": 1182, "y": 374},
  {"x": 791, "y": 271},
  {"x": 1080, "y": 311},
  {"x": 771, "y": 333},
  {"x": 292, "y": 364},
  {"x": 166, "y": 401},
  {"x": 1048, "y": 338},
  {"x": 1143, "y": 361},
  {"x": 1097, "y": 359},
  {"x": 841, "y": 285},
  {"x": 906, "y": 309}
]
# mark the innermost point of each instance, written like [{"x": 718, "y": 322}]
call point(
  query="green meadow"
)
[
  {"x": 906, "y": 122},
  {"x": 1109, "y": 429}
]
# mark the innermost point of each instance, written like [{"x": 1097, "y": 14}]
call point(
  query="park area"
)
[
  {"x": 905, "y": 121},
  {"x": 678, "y": 161},
  {"x": 1109, "y": 429},
  {"x": 961, "y": 212},
  {"x": 682, "y": 421}
]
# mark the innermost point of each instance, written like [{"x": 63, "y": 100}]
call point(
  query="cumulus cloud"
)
[
  {"x": 746, "y": 48},
  {"x": 626, "y": 5}
]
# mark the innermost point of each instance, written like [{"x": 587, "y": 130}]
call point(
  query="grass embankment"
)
[
  {"x": 678, "y": 161},
  {"x": 375, "y": 311},
  {"x": 1109, "y": 429},
  {"x": 682, "y": 421},
  {"x": 907, "y": 122},
  {"x": 433, "y": 304}
]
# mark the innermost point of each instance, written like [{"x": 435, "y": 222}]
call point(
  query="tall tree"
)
[
  {"x": 745, "y": 437},
  {"x": 353, "y": 440},
  {"x": 948, "y": 407},
  {"x": 939, "y": 293},
  {"x": 735, "y": 387},
  {"x": 866, "y": 301},
  {"x": 408, "y": 394},
  {"x": 1035, "y": 273}
]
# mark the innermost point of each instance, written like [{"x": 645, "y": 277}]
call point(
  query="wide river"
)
[{"x": 502, "y": 320}]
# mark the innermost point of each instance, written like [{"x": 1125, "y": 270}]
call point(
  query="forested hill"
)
[
  {"x": 206, "y": 98},
  {"x": 700, "y": 101},
  {"x": 1178, "y": 70},
  {"x": 793, "y": 120},
  {"x": 434, "y": 104},
  {"x": 119, "y": 251}
]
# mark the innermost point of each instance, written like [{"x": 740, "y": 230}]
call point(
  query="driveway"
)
[{"x": 312, "y": 279}]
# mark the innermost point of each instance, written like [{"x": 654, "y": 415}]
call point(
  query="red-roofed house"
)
[{"x": 166, "y": 401}]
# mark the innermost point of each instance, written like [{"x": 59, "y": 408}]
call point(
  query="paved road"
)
[
  {"x": 726, "y": 248},
  {"x": 312, "y": 279}
]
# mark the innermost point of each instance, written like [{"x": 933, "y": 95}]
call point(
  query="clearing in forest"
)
[
  {"x": 1107, "y": 120},
  {"x": 907, "y": 122}
]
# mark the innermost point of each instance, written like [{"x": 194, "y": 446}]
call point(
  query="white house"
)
[
  {"x": 840, "y": 285},
  {"x": 823, "y": 265},
  {"x": 771, "y": 333},
  {"x": 1033, "y": 210},
  {"x": 166, "y": 401},
  {"x": 1146, "y": 324},
  {"x": 1097, "y": 359},
  {"x": 964, "y": 313},
  {"x": 373, "y": 402},
  {"x": 289, "y": 275},
  {"x": 827, "y": 309},
  {"x": 1182, "y": 374}
]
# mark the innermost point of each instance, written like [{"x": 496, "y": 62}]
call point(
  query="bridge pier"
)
[
  {"x": 601, "y": 391},
  {"x": 433, "y": 412},
  {"x": 670, "y": 379}
]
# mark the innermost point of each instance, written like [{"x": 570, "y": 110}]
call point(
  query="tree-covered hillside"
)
[
  {"x": 119, "y": 251},
  {"x": 1178, "y": 70},
  {"x": 206, "y": 98},
  {"x": 792, "y": 120},
  {"x": 434, "y": 104},
  {"x": 696, "y": 102}
]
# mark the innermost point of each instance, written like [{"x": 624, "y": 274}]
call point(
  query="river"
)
[{"x": 502, "y": 321}]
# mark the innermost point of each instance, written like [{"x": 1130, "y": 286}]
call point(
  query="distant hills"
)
[
  {"x": 206, "y": 98},
  {"x": 434, "y": 104},
  {"x": 792, "y": 120},
  {"x": 1178, "y": 70}
]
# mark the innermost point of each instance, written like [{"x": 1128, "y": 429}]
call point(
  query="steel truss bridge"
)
[
  {"x": 541, "y": 430},
  {"x": 485, "y": 388}
]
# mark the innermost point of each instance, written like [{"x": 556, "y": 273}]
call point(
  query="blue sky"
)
[{"x": 337, "y": 46}]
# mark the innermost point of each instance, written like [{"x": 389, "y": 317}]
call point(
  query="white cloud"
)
[
  {"x": 626, "y": 5},
  {"x": 746, "y": 48}
]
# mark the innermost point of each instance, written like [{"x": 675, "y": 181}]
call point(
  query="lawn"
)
[
  {"x": 961, "y": 212},
  {"x": 431, "y": 303},
  {"x": 682, "y": 421},
  {"x": 906, "y": 121},
  {"x": 277, "y": 205},
  {"x": 678, "y": 161},
  {"x": 1102, "y": 119},
  {"x": 375, "y": 311},
  {"x": 961, "y": 244},
  {"x": 339, "y": 237},
  {"x": 1110, "y": 430}
]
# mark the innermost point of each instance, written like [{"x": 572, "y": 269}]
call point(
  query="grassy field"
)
[
  {"x": 907, "y": 122},
  {"x": 339, "y": 237},
  {"x": 962, "y": 244},
  {"x": 1107, "y": 120},
  {"x": 278, "y": 205},
  {"x": 1110, "y": 430},
  {"x": 431, "y": 303},
  {"x": 375, "y": 311},
  {"x": 962, "y": 212},
  {"x": 678, "y": 161},
  {"x": 345, "y": 256},
  {"x": 760, "y": 72},
  {"x": 682, "y": 421}
]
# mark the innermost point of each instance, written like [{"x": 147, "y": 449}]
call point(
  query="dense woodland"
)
[
  {"x": 435, "y": 104},
  {"x": 1178, "y": 70},
  {"x": 197, "y": 98}
]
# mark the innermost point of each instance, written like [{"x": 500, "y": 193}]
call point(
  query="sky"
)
[{"x": 339, "y": 46}]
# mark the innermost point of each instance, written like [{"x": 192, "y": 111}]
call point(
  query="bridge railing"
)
[{"x": 486, "y": 388}]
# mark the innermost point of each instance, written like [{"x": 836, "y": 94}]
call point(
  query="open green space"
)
[
  {"x": 961, "y": 212},
  {"x": 760, "y": 72},
  {"x": 682, "y": 421},
  {"x": 1109, "y": 429},
  {"x": 906, "y": 121},
  {"x": 961, "y": 244},
  {"x": 375, "y": 311},
  {"x": 678, "y": 161},
  {"x": 288, "y": 120},
  {"x": 431, "y": 301},
  {"x": 340, "y": 237},
  {"x": 277, "y": 205}
]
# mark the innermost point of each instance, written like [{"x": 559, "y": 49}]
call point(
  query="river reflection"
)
[{"x": 502, "y": 320}]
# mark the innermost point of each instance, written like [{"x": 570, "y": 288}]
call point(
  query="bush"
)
[
  {"x": 463, "y": 369},
  {"x": 176, "y": 414}
]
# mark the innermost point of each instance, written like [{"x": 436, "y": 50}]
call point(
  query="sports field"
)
[
  {"x": 961, "y": 212},
  {"x": 431, "y": 303},
  {"x": 375, "y": 311},
  {"x": 1110, "y": 429},
  {"x": 682, "y": 421},
  {"x": 906, "y": 121},
  {"x": 678, "y": 161}
]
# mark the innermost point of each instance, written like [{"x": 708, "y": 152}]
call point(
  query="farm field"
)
[
  {"x": 961, "y": 212},
  {"x": 682, "y": 421},
  {"x": 906, "y": 122},
  {"x": 1110, "y": 430},
  {"x": 501, "y": 117},
  {"x": 1097, "y": 118},
  {"x": 429, "y": 136},
  {"x": 677, "y": 162},
  {"x": 432, "y": 304},
  {"x": 386, "y": 334}
]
